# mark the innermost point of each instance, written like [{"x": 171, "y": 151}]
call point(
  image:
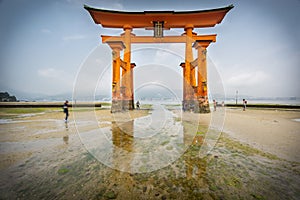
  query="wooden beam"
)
[
  {"x": 123, "y": 64},
  {"x": 116, "y": 44},
  {"x": 166, "y": 39},
  {"x": 173, "y": 19},
  {"x": 194, "y": 63}
]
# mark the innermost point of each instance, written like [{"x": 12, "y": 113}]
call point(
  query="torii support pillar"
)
[
  {"x": 184, "y": 95},
  {"x": 116, "y": 47},
  {"x": 189, "y": 102},
  {"x": 127, "y": 77},
  {"x": 189, "y": 79},
  {"x": 202, "y": 78}
]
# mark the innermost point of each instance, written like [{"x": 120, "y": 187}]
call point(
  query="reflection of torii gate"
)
[{"x": 194, "y": 87}]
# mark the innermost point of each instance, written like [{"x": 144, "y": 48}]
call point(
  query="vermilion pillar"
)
[
  {"x": 188, "y": 58},
  {"x": 184, "y": 84},
  {"x": 116, "y": 63},
  {"x": 126, "y": 83},
  {"x": 189, "y": 70},
  {"x": 202, "y": 72},
  {"x": 116, "y": 75},
  {"x": 193, "y": 69},
  {"x": 202, "y": 78},
  {"x": 132, "y": 65}
]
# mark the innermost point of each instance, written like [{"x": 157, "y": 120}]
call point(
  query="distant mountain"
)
[
  {"x": 6, "y": 97},
  {"x": 32, "y": 96}
]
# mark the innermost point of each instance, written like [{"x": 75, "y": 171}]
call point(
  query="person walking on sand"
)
[
  {"x": 215, "y": 105},
  {"x": 138, "y": 105},
  {"x": 244, "y": 104},
  {"x": 66, "y": 110}
]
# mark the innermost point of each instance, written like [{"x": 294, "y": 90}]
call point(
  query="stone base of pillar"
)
[
  {"x": 131, "y": 107},
  {"x": 189, "y": 105},
  {"x": 204, "y": 108},
  {"x": 203, "y": 105},
  {"x": 116, "y": 106},
  {"x": 197, "y": 106},
  {"x": 121, "y": 105},
  {"x": 128, "y": 104},
  {"x": 125, "y": 104}
]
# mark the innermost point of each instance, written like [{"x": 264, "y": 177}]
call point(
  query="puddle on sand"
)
[
  {"x": 14, "y": 130},
  {"x": 7, "y": 147},
  {"x": 30, "y": 114},
  {"x": 5, "y": 121},
  {"x": 138, "y": 146}
]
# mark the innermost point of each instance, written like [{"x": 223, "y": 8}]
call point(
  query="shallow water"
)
[
  {"x": 138, "y": 145},
  {"x": 153, "y": 157},
  {"x": 5, "y": 121}
]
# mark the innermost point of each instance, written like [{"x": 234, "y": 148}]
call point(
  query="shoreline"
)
[
  {"x": 107, "y": 104},
  {"x": 281, "y": 106},
  {"x": 49, "y": 104}
]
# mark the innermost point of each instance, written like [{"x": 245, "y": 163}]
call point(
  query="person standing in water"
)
[{"x": 66, "y": 110}]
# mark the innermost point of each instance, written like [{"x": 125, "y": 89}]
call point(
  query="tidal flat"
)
[{"x": 44, "y": 158}]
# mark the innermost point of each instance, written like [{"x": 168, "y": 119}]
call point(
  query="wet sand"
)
[
  {"x": 276, "y": 131},
  {"x": 271, "y": 130},
  {"x": 44, "y": 158}
]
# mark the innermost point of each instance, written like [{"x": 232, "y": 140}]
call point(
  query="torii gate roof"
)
[{"x": 172, "y": 19}]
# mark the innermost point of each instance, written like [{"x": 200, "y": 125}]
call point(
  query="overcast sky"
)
[{"x": 45, "y": 44}]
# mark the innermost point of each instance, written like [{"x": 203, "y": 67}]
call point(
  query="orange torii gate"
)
[{"x": 194, "y": 87}]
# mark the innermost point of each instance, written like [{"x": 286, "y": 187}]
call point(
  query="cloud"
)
[
  {"x": 74, "y": 37},
  {"x": 169, "y": 55},
  {"x": 117, "y": 6},
  {"x": 248, "y": 79},
  {"x": 46, "y": 31},
  {"x": 110, "y": 5},
  {"x": 50, "y": 73},
  {"x": 54, "y": 80},
  {"x": 100, "y": 61}
]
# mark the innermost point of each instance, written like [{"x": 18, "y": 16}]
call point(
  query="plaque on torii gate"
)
[{"x": 195, "y": 89}]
